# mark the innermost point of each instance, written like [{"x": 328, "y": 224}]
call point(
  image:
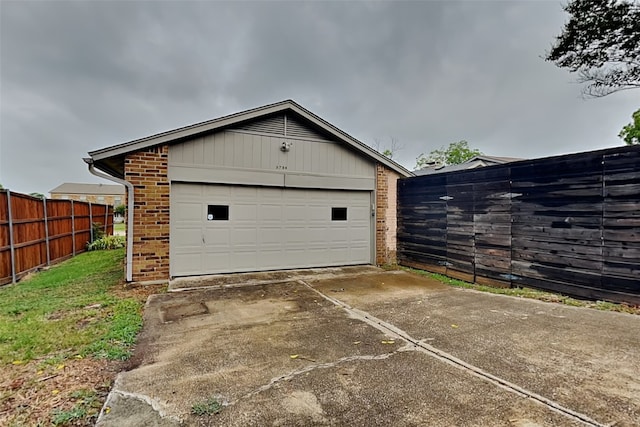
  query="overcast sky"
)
[{"x": 78, "y": 76}]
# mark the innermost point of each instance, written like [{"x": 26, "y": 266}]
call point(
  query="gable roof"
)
[
  {"x": 79, "y": 188},
  {"x": 111, "y": 159}
]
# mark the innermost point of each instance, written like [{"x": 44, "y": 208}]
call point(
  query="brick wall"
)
[
  {"x": 92, "y": 198},
  {"x": 147, "y": 171},
  {"x": 386, "y": 219}
]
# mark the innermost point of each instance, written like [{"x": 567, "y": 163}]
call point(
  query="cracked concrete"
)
[
  {"x": 290, "y": 376},
  {"x": 376, "y": 348},
  {"x": 420, "y": 345},
  {"x": 140, "y": 409}
]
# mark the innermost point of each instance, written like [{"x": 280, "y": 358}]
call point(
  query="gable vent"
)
[
  {"x": 297, "y": 129},
  {"x": 271, "y": 125}
]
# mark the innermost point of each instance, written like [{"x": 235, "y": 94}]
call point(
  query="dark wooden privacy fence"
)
[
  {"x": 569, "y": 224},
  {"x": 39, "y": 232}
]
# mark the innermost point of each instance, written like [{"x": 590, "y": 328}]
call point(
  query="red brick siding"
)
[
  {"x": 147, "y": 171},
  {"x": 386, "y": 220}
]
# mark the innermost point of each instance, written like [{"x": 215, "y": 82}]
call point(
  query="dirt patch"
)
[
  {"x": 139, "y": 292},
  {"x": 33, "y": 393},
  {"x": 171, "y": 313}
]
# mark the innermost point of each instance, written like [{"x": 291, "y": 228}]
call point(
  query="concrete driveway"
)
[{"x": 360, "y": 346}]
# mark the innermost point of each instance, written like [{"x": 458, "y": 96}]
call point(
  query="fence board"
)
[
  {"x": 621, "y": 222},
  {"x": 39, "y": 239},
  {"x": 422, "y": 226},
  {"x": 460, "y": 242},
  {"x": 569, "y": 224}
]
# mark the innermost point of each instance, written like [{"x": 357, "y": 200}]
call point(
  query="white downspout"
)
[{"x": 129, "y": 262}]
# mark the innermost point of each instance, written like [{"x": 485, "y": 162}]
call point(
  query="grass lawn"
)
[
  {"x": 64, "y": 333},
  {"x": 68, "y": 310},
  {"x": 119, "y": 228},
  {"x": 530, "y": 293}
]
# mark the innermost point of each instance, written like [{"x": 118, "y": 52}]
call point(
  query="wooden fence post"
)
[
  {"x": 46, "y": 231},
  {"x": 73, "y": 231},
  {"x": 90, "y": 223},
  {"x": 11, "y": 244}
]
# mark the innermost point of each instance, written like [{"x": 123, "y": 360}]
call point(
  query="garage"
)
[
  {"x": 231, "y": 228},
  {"x": 271, "y": 188}
]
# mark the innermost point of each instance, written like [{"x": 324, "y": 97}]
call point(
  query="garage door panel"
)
[
  {"x": 301, "y": 257},
  {"x": 186, "y": 190},
  {"x": 269, "y": 213},
  {"x": 243, "y": 212},
  {"x": 217, "y": 236},
  {"x": 189, "y": 211},
  {"x": 317, "y": 234},
  {"x": 269, "y": 236},
  {"x": 295, "y": 236},
  {"x": 355, "y": 234},
  {"x": 242, "y": 237},
  {"x": 360, "y": 253},
  {"x": 211, "y": 258},
  {"x": 340, "y": 253},
  {"x": 295, "y": 213},
  {"x": 242, "y": 193},
  {"x": 267, "y": 229},
  {"x": 189, "y": 263},
  {"x": 187, "y": 237},
  {"x": 359, "y": 211},
  {"x": 321, "y": 214},
  {"x": 220, "y": 191},
  {"x": 245, "y": 260}
]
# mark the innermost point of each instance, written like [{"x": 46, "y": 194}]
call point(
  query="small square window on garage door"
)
[
  {"x": 218, "y": 213},
  {"x": 338, "y": 214}
]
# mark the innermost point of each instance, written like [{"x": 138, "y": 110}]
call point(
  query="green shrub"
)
[
  {"x": 98, "y": 232},
  {"x": 107, "y": 242}
]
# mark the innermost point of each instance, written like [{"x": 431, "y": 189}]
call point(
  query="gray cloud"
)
[{"x": 76, "y": 76}]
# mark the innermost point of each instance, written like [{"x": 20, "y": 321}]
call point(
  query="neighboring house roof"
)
[
  {"x": 95, "y": 189},
  {"x": 475, "y": 162},
  {"x": 497, "y": 159},
  {"x": 111, "y": 159}
]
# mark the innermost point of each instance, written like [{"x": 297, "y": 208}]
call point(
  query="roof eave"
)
[
  {"x": 340, "y": 134},
  {"x": 185, "y": 132},
  {"x": 99, "y": 156}
]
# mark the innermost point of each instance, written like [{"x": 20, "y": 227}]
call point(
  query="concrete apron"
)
[{"x": 374, "y": 348}]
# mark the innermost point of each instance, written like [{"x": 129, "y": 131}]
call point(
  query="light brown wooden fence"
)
[{"x": 39, "y": 232}]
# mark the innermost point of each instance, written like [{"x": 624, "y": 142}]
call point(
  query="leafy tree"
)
[
  {"x": 601, "y": 42},
  {"x": 630, "y": 134},
  {"x": 37, "y": 195},
  {"x": 119, "y": 210},
  {"x": 454, "y": 154},
  {"x": 1, "y": 187}
]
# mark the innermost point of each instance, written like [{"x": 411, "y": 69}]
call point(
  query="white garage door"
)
[{"x": 226, "y": 228}]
